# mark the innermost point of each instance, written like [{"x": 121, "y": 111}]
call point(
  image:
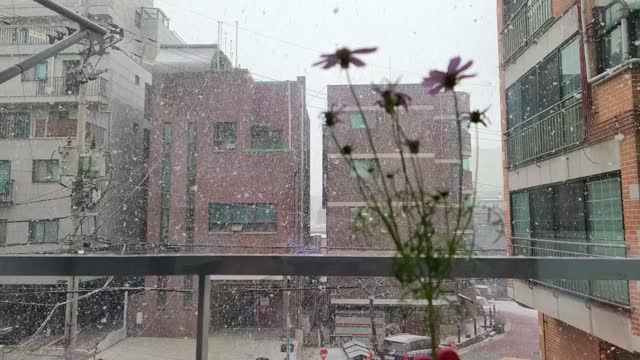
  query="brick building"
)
[
  {"x": 232, "y": 178},
  {"x": 431, "y": 119},
  {"x": 569, "y": 91}
]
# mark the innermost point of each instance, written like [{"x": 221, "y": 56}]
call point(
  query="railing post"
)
[{"x": 204, "y": 314}]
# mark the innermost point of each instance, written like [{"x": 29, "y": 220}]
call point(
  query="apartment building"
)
[
  {"x": 569, "y": 94},
  {"x": 232, "y": 178},
  {"x": 38, "y": 112},
  {"x": 353, "y": 231}
]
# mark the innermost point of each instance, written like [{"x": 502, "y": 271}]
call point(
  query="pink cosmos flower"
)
[
  {"x": 439, "y": 80},
  {"x": 343, "y": 57}
]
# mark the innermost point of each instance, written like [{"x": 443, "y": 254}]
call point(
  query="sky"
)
[{"x": 281, "y": 39}]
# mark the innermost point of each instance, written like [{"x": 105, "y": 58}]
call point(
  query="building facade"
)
[
  {"x": 39, "y": 113},
  {"x": 231, "y": 178},
  {"x": 569, "y": 96},
  {"x": 352, "y": 230},
  {"x": 431, "y": 119}
]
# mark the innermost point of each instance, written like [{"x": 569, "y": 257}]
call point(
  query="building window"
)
[
  {"x": 466, "y": 163},
  {"x": 36, "y": 73},
  {"x": 15, "y": 125},
  {"x": 138, "y": 19},
  {"x": 521, "y": 219},
  {"x": 225, "y": 136},
  {"x": 581, "y": 210},
  {"x": 357, "y": 121},
  {"x": 43, "y": 231},
  {"x": 5, "y": 178},
  {"x": 137, "y": 80},
  {"x": 364, "y": 168},
  {"x": 147, "y": 101},
  {"x": 190, "y": 209},
  {"x": 510, "y": 8},
  {"x": 604, "y": 209},
  {"x": 188, "y": 291},
  {"x": 543, "y": 87},
  {"x": 264, "y": 137},
  {"x": 242, "y": 218},
  {"x": 3, "y": 231},
  {"x": 162, "y": 294},
  {"x": 610, "y": 37},
  {"x": 46, "y": 171},
  {"x": 60, "y": 125},
  {"x": 570, "y": 68},
  {"x": 166, "y": 183}
]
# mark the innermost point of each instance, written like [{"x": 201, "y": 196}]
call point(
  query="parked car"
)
[{"x": 406, "y": 347}]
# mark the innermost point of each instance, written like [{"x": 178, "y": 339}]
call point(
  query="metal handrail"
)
[
  {"x": 315, "y": 265},
  {"x": 621, "y": 246},
  {"x": 533, "y": 118}
]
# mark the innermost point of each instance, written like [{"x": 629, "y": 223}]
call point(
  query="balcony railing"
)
[
  {"x": 28, "y": 35},
  {"x": 613, "y": 291},
  {"x": 551, "y": 131},
  {"x": 203, "y": 266},
  {"x": 6, "y": 193},
  {"x": 62, "y": 86},
  {"x": 520, "y": 31}
]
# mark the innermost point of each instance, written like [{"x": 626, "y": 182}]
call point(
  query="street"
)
[{"x": 520, "y": 340}]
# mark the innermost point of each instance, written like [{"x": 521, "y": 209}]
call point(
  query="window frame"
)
[
  {"x": 227, "y": 227},
  {"x": 585, "y": 181},
  {"x": 187, "y": 301},
  {"x": 49, "y": 163},
  {"x": 265, "y": 137},
  {"x": 605, "y": 32},
  {"x": 162, "y": 300},
  {"x": 45, "y": 223},
  {"x": 532, "y": 99},
  {"x": 220, "y": 142},
  {"x": 12, "y": 118},
  {"x": 4, "y": 229}
]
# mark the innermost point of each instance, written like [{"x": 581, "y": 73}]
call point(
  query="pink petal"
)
[
  {"x": 466, "y": 76},
  {"x": 465, "y": 66},
  {"x": 453, "y": 65},
  {"x": 364, "y": 50},
  {"x": 435, "y": 90},
  {"x": 330, "y": 63},
  {"x": 357, "y": 62}
]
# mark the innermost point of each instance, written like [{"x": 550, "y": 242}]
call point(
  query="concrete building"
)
[
  {"x": 39, "y": 112},
  {"x": 232, "y": 178},
  {"x": 431, "y": 119},
  {"x": 569, "y": 95}
]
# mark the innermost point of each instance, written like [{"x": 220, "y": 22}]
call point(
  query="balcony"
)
[
  {"x": 171, "y": 295},
  {"x": 615, "y": 292},
  {"x": 556, "y": 129},
  {"x": 6, "y": 193},
  {"x": 524, "y": 26},
  {"x": 53, "y": 89},
  {"x": 31, "y": 35}
]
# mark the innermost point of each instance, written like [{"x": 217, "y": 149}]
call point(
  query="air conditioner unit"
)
[{"x": 236, "y": 227}]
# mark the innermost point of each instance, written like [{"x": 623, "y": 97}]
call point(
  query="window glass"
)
[
  {"x": 46, "y": 171},
  {"x": 242, "y": 218},
  {"x": 570, "y": 68},
  {"x": 521, "y": 220},
  {"x": 188, "y": 294},
  {"x": 514, "y": 105},
  {"x": 357, "y": 121},
  {"x": 5, "y": 176},
  {"x": 611, "y": 48},
  {"x": 264, "y": 137},
  {"x": 529, "y": 90},
  {"x": 364, "y": 168},
  {"x": 542, "y": 212},
  {"x": 38, "y": 72},
  {"x": 15, "y": 125},
  {"x": 43, "y": 231},
  {"x": 549, "y": 82},
  {"x": 570, "y": 219},
  {"x": 225, "y": 136},
  {"x": 166, "y": 182},
  {"x": 162, "y": 294}
]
